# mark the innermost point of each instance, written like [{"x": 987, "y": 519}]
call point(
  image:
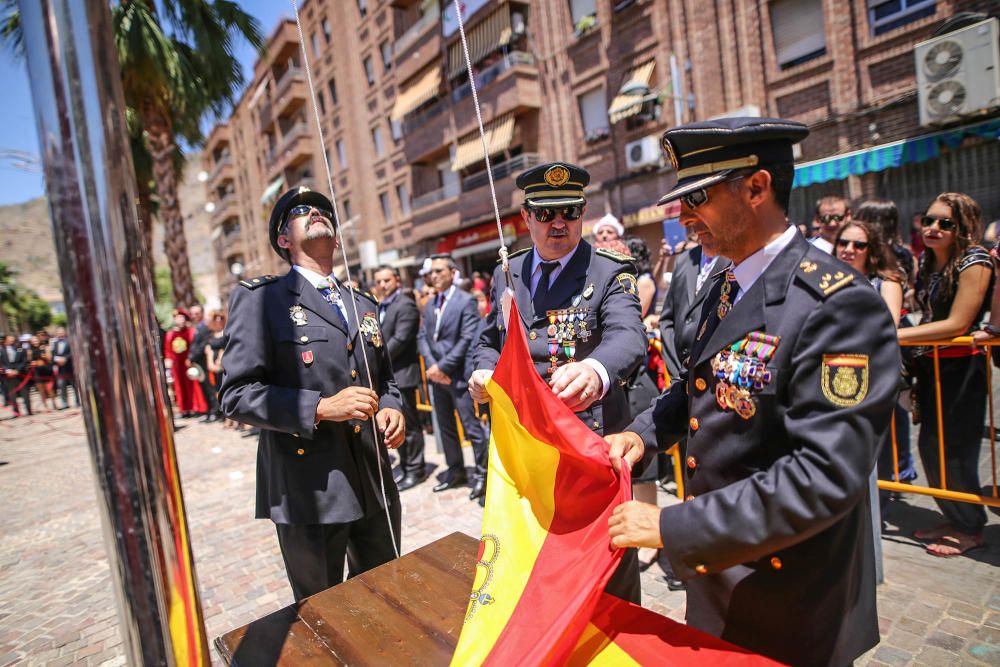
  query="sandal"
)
[
  {"x": 956, "y": 544},
  {"x": 935, "y": 533}
]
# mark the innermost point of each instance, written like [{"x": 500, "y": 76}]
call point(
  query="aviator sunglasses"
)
[
  {"x": 548, "y": 214},
  {"x": 303, "y": 209},
  {"x": 944, "y": 224},
  {"x": 858, "y": 245},
  {"x": 698, "y": 197}
]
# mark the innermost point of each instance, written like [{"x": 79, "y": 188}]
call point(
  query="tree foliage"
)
[{"x": 24, "y": 311}]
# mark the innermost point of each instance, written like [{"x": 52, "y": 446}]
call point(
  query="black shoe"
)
[
  {"x": 673, "y": 583},
  {"x": 409, "y": 481},
  {"x": 478, "y": 489},
  {"x": 449, "y": 484},
  {"x": 482, "y": 500}
]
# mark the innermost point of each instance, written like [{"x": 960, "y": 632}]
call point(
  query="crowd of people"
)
[{"x": 37, "y": 363}]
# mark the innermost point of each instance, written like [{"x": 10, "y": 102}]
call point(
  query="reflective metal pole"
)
[{"x": 79, "y": 110}]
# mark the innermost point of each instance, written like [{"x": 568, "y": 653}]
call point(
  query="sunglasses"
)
[
  {"x": 302, "y": 209},
  {"x": 832, "y": 217},
  {"x": 944, "y": 224},
  {"x": 698, "y": 197},
  {"x": 858, "y": 245},
  {"x": 549, "y": 213}
]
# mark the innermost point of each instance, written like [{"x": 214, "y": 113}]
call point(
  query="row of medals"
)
[{"x": 565, "y": 326}]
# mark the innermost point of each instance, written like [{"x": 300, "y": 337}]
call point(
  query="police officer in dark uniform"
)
[
  {"x": 295, "y": 367},
  {"x": 580, "y": 308},
  {"x": 789, "y": 391}
]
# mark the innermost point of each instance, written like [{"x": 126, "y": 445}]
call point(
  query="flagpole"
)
[{"x": 107, "y": 288}]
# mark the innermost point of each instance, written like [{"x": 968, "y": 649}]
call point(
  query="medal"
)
[
  {"x": 589, "y": 292},
  {"x": 298, "y": 315},
  {"x": 307, "y": 357}
]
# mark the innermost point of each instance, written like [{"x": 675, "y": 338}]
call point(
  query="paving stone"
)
[
  {"x": 937, "y": 657},
  {"x": 891, "y": 656},
  {"x": 946, "y": 641}
]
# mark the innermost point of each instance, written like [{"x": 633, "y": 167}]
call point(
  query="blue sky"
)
[{"x": 17, "y": 122}]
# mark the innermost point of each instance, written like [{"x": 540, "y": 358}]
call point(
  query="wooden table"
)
[{"x": 408, "y": 611}]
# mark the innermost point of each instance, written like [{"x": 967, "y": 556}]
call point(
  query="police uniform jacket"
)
[
  {"x": 681, "y": 311},
  {"x": 596, "y": 289},
  {"x": 775, "y": 539},
  {"x": 287, "y": 348},
  {"x": 400, "y": 325},
  {"x": 455, "y": 334}
]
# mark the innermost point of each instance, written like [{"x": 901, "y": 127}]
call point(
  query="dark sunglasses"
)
[
  {"x": 302, "y": 209},
  {"x": 858, "y": 245},
  {"x": 700, "y": 196},
  {"x": 944, "y": 224},
  {"x": 549, "y": 213},
  {"x": 832, "y": 217}
]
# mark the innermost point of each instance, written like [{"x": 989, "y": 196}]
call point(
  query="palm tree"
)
[{"x": 178, "y": 66}]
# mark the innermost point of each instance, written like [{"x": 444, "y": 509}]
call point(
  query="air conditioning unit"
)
[
  {"x": 643, "y": 153},
  {"x": 958, "y": 73}
]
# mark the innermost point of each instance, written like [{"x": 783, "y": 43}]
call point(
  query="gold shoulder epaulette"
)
[
  {"x": 367, "y": 295},
  {"x": 824, "y": 279},
  {"x": 254, "y": 283},
  {"x": 516, "y": 253},
  {"x": 619, "y": 257}
]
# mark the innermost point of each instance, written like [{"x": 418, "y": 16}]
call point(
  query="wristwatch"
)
[{"x": 991, "y": 329}]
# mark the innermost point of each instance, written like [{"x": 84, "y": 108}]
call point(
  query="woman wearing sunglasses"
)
[{"x": 953, "y": 283}]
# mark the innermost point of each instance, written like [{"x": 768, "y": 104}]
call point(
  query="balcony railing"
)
[
  {"x": 489, "y": 74},
  {"x": 413, "y": 122},
  {"x": 294, "y": 132},
  {"x": 219, "y": 212},
  {"x": 414, "y": 31},
  {"x": 221, "y": 164},
  {"x": 290, "y": 75},
  {"x": 502, "y": 170},
  {"x": 434, "y": 196}
]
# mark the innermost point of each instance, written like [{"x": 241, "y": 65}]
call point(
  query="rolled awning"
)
[
  {"x": 625, "y": 105},
  {"x": 272, "y": 190},
  {"x": 425, "y": 86},
  {"x": 499, "y": 134},
  {"x": 485, "y": 37}
]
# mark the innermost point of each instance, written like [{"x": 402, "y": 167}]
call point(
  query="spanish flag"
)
[{"x": 545, "y": 556}]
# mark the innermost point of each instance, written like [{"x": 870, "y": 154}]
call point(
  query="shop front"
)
[{"x": 475, "y": 248}]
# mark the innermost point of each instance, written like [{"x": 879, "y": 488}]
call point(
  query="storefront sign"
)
[
  {"x": 513, "y": 226},
  {"x": 649, "y": 214}
]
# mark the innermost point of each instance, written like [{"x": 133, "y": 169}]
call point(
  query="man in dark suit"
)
[
  {"x": 789, "y": 391},
  {"x": 295, "y": 366},
  {"x": 451, "y": 320},
  {"x": 580, "y": 308},
  {"x": 62, "y": 357},
  {"x": 400, "y": 320},
  {"x": 14, "y": 363},
  {"x": 197, "y": 356},
  {"x": 689, "y": 285}
]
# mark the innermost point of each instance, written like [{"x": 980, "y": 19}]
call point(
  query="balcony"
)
[
  {"x": 489, "y": 75},
  {"x": 427, "y": 132},
  {"x": 502, "y": 170},
  {"x": 225, "y": 208},
  {"x": 434, "y": 196},
  {"x": 221, "y": 171},
  {"x": 418, "y": 46},
  {"x": 476, "y": 204},
  {"x": 511, "y": 86},
  {"x": 294, "y": 144},
  {"x": 290, "y": 88},
  {"x": 266, "y": 114}
]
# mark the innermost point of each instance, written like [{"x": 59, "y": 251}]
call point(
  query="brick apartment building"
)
[{"x": 593, "y": 82}]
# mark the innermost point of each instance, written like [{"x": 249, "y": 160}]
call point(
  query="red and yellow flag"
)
[{"x": 545, "y": 556}]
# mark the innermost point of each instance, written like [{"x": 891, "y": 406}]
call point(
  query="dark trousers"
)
[
  {"x": 314, "y": 554},
  {"x": 211, "y": 393},
  {"x": 24, "y": 394},
  {"x": 963, "y": 406},
  {"x": 64, "y": 380},
  {"x": 448, "y": 399},
  {"x": 411, "y": 452},
  {"x": 624, "y": 583}
]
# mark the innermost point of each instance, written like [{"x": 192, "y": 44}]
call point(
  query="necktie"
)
[
  {"x": 328, "y": 288},
  {"x": 720, "y": 303},
  {"x": 542, "y": 290}
]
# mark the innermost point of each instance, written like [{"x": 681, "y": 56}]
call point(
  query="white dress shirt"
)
[
  {"x": 822, "y": 244},
  {"x": 316, "y": 280},
  {"x": 749, "y": 270}
]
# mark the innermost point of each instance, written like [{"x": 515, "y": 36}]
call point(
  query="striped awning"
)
[
  {"x": 624, "y": 106},
  {"x": 499, "y": 134},
  {"x": 484, "y": 38},
  {"x": 424, "y": 87},
  {"x": 891, "y": 155}
]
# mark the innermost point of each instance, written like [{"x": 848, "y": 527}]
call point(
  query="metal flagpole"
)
[{"x": 107, "y": 287}]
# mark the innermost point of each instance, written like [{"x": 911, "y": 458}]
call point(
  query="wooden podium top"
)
[{"x": 408, "y": 611}]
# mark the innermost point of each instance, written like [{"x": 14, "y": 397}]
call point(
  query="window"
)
[
  {"x": 886, "y": 15},
  {"x": 326, "y": 156},
  {"x": 347, "y": 210},
  {"x": 314, "y": 38},
  {"x": 594, "y": 114},
  {"x": 322, "y": 103},
  {"x": 403, "y": 195},
  {"x": 584, "y": 15},
  {"x": 797, "y": 26},
  {"x": 363, "y": 7},
  {"x": 332, "y": 86},
  {"x": 396, "y": 129},
  {"x": 386, "y": 49},
  {"x": 377, "y": 140},
  {"x": 326, "y": 30},
  {"x": 341, "y": 153},
  {"x": 369, "y": 70},
  {"x": 383, "y": 199}
]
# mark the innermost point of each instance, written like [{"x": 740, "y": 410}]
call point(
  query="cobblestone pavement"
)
[{"x": 57, "y": 606}]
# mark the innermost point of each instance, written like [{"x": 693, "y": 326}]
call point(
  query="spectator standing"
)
[
  {"x": 953, "y": 284},
  {"x": 202, "y": 332},
  {"x": 176, "y": 350},
  {"x": 608, "y": 228},
  {"x": 62, "y": 360},
  {"x": 16, "y": 378},
  {"x": 43, "y": 376},
  {"x": 831, "y": 213},
  {"x": 215, "y": 345}
]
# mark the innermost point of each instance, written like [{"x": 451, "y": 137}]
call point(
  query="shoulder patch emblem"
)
[
  {"x": 619, "y": 257},
  {"x": 808, "y": 267},
  {"x": 845, "y": 378},
  {"x": 827, "y": 282},
  {"x": 628, "y": 283},
  {"x": 254, "y": 283},
  {"x": 367, "y": 295}
]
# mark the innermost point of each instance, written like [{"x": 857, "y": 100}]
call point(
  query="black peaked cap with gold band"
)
[
  {"x": 554, "y": 184},
  {"x": 286, "y": 202},
  {"x": 705, "y": 153}
]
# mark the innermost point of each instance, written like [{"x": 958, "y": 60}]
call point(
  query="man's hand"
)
[
  {"x": 635, "y": 524},
  {"x": 392, "y": 425},
  {"x": 435, "y": 374},
  {"x": 477, "y": 385},
  {"x": 577, "y": 385},
  {"x": 625, "y": 448},
  {"x": 347, "y": 404}
]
